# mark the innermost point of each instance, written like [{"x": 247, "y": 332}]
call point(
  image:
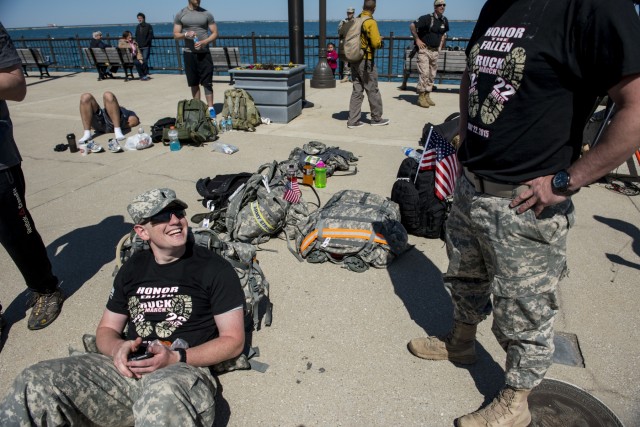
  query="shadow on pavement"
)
[
  {"x": 629, "y": 229},
  {"x": 418, "y": 283},
  {"x": 76, "y": 258}
]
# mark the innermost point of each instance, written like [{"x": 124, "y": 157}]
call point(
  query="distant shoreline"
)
[{"x": 53, "y": 26}]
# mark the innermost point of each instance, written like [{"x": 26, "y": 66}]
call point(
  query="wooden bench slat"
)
[
  {"x": 225, "y": 58},
  {"x": 32, "y": 57},
  {"x": 451, "y": 65}
]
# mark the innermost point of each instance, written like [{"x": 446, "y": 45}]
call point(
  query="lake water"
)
[{"x": 460, "y": 29}]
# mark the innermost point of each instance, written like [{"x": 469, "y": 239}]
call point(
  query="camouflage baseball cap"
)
[
  {"x": 350, "y": 10},
  {"x": 152, "y": 202}
]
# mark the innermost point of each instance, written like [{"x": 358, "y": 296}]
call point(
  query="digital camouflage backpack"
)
[
  {"x": 258, "y": 210},
  {"x": 335, "y": 159},
  {"x": 240, "y": 105},
  {"x": 193, "y": 123},
  {"x": 350, "y": 48},
  {"x": 241, "y": 256},
  {"x": 354, "y": 228}
]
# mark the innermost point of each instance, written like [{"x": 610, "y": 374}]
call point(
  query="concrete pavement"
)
[{"x": 337, "y": 347}]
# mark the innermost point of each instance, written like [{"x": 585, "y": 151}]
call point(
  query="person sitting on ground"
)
[
  {"x": 175, "y": 290},
  {"x": 127, "y": 42},
  {"x": 111, "y": 118},
  {"x": 97, "y": 42}
]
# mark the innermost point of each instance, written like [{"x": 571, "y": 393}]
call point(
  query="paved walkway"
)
[{"x": 337, "y": 348}]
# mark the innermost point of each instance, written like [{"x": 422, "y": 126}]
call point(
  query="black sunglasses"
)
[
  {"x": 165, "y": 216},
  {"x": 443, "y": 5}
]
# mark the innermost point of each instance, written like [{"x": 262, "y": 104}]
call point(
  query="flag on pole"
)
[
  {"x": 446, "y": 164},
  {"x": 292, "y": 192}
]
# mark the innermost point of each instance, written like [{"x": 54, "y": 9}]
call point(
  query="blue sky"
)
[{"x": 39, "y": 13}]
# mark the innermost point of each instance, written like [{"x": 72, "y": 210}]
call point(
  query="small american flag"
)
[
  {"x": 439, "y": 153},
  {"x": 292, "y": 192}
]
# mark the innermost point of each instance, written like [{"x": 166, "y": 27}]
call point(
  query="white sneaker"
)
[
  {"x": 94, "y": 147},
  {"x": 114, "y": 146}
]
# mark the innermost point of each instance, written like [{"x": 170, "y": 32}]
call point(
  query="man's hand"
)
[
  {"x": 421, "y": 45},
  {"x": 162, "y": 356},
  {"x": 121, "y": 356},
  {"x": 537, "y": 197}
]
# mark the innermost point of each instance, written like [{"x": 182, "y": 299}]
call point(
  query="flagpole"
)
[{"x": 424, "y": 151}]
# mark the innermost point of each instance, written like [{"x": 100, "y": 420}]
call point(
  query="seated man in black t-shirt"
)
[{"x": 174, "y": 291}]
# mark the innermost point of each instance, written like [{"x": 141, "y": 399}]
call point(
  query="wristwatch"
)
[
  {"x": 183, "y": 354},
  {"x": 560, "y": 182}
]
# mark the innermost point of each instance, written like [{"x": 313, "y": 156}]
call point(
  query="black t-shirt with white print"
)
[
  {"x": 175, "y": 300},
  {"x": 536, "y": 68}
]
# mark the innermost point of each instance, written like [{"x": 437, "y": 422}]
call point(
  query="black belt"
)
[{"x": 507, "y": 191}]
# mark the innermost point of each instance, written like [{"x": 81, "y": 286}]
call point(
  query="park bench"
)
[
  {"x": 451, "y": 65},
  {"x": 32, "y": 58},
  {"x": 103, "y": 59},
  {"x": 225, "y": 58}
]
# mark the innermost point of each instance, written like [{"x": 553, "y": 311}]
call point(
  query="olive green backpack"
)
[
  {"x": 239, "y": 104},
  {"x": 193, "y": 123}
]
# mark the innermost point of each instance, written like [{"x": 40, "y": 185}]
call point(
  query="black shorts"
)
[
  {"x": 199, "y": 68},
  {"x": 101, "y": 122}
]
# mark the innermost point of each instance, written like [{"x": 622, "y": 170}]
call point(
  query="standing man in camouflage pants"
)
[
  {"x": 524, "y": 101},
  {"x": 345, "y": 70},
  {"x": 429, "y": 34},
  {"x": 176, "y": 290}
]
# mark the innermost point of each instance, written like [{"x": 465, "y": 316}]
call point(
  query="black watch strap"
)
[{"x": 183, "y": 354}]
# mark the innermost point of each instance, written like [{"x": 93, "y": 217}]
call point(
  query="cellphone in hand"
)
[{"x": 140, "y": 354}]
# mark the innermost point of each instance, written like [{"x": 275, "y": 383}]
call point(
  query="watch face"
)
[{"x": 561, "y": 181}]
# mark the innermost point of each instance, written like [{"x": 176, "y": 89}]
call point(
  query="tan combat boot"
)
[
  {"x": 458, "y": 346},
  {"x": 428, "y": 99},
  {"x": 422, "y": 100},
  {"x": 508, "y": 409}
]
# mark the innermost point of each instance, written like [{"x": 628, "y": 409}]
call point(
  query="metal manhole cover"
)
[{"x": 558, "y": 404}]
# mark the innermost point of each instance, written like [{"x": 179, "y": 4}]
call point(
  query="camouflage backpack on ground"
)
[
  {"x": 258, "y": 210},
  {"x": 239, "y": 104},
  {"x": 241, "y": 256},
  {"x": 335, "y": 159},
  {"x": 355, "y": 229},
  {"x": 193, "y": 123}
]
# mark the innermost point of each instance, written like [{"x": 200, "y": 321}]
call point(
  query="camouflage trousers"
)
[
  {"x": 427, "y": 67},
  {"x": 516, "y": 259},
  {"x": 88, "y": 390}
]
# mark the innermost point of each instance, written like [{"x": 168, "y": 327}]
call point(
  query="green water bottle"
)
[{"x": 321, "y": 175}]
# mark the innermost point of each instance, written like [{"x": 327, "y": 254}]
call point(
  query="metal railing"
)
[{"x": 66, "y": 54}]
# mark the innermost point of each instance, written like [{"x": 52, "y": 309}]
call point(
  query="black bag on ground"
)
[
  {"x": 158, "y": 128},
  {"x": 217, "y": 191},
  {"x": 421, "y": 212}
]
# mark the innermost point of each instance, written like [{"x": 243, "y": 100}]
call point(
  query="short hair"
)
[
  {"x": 369, "y": 5},
  {"x": 141, "y": 14},
  {"x": 126, "y": 34},
  {"x": 96, "y": 34}
]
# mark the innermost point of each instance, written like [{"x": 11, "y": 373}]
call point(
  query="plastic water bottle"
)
[
  {"x": 307, "y": 174},
  {"x": 321, "y": 175},
  {"x": 174, "y": 142},
  {"x": 413, "y": 153},
  {"x": 229, "y": 123}
]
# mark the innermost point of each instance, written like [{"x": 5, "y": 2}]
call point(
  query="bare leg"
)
[
  {"x": 88, "y": 106},
  {"x": 112, "y": 107},
  {"x": 209, "y": 98},
  {"x": 195, "y": 92}
]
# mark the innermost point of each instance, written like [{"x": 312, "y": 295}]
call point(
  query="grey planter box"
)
[{"x": 277, "y": 94}]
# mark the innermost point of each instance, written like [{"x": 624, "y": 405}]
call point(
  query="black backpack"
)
[
  {"x": 421, "y": 212},
  {"x": 217, "y": 191},
  {"x": 158, "y": 128}
]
